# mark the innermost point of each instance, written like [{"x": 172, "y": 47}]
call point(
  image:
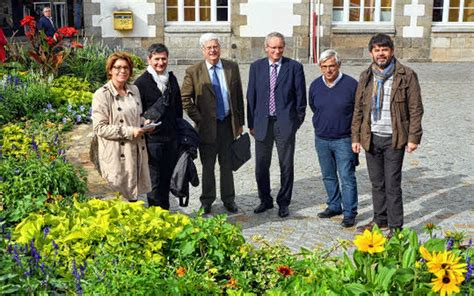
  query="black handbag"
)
[{"x": 240, "y": 150}]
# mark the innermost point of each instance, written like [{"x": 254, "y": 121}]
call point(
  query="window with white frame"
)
[
  {"x": 453, "y": 11},
  {"x": 197, "y": 11},
  {"x": 362, "y": 11}
]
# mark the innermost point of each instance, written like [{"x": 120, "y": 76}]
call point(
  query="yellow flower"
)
[
  {"x": 425, "y": 254},
  {"x": 446, "y": 262},
  {"x": 370, "y": 242},
  {"x": 447, "y": 283}
]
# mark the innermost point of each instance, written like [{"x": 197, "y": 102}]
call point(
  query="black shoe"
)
[
  {"x": 262, "y": 208},
  {"x": 283, "y": 212},
  {"x": 371, "y": 225},
  {"x": 231, "y": 207},
  {"x": 206, "y": 208},
  {"x": 348, "y": 222},
  {"x": 327, "y": 213}
]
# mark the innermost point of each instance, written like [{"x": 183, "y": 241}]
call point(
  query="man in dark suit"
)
[
  {"x": 161, "y": 99},
  {"x": 46, "y": 23},
  {"x": 212, "y": 96},
  {"x": 276, "y": 108}
]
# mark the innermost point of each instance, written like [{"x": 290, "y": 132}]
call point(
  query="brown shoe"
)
[{"x": 371, "y": 225}]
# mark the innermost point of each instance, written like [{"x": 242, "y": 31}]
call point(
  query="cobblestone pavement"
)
[{"x": 438, "y": 179}]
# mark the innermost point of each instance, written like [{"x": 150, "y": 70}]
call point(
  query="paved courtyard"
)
[{"x": 438, "y": 179}]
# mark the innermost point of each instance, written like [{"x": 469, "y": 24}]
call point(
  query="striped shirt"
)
[{"x": 383, "y": 127}]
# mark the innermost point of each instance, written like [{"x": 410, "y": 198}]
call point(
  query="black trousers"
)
[
  {"x": 263, "y": 157},
  {"x": 384, "y": 164},
  {"x": 162, "y": 158},
  {"x": 208, "y": 154}
]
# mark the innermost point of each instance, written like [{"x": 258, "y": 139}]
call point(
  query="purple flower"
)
[
  {"x": 449, "y": 244},
  {"x": 81, "y": 108},
  {"x": 34, "y": 253},
  {"x": 468, "y": 273},
  {"x": 64, "y": 120},
  {"x": 49, "y": 106},
  {"x": 78, "y": 118},
  {"x": 56, "y": 139},
  {"x": 16, "y": 256},
  {"x": 77, "y": 276},
  {"x": 34, "y": 144},
  {"x": 470, "y": 243},
  {"x": 69, "y": 108},
  {"x": 45, "y": 232}
]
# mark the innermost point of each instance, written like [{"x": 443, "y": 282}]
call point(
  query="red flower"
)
[
  {"x": 67, "y": 31},
  {"x": 27, "y": 20},
  {"x": 75, "y": 44},
  {"x": 50, "y": 40},
  {"x": 30, "y": 34},
  {"x": 285, "y": 270}
]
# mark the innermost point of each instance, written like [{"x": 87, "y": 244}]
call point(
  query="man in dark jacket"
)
[
  {"x": 46, "y": 23},
  {"x": 161, "y": 99},
  {"x": 386, "y": 123}
]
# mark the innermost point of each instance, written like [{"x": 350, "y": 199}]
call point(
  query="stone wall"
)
[
  {"x": 243, "y": 41},
  {"x": 447, "y": 47}
]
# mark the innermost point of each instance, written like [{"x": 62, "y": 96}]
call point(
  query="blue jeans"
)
[{"x": 336, "y": 157}]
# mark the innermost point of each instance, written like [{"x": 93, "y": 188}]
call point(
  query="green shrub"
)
[
  {"x": 27, "y": 184},
  {"x": 71, "y": 90},
  {"x": 22, "y": 99},
  {"x": 88, "y": 63}
]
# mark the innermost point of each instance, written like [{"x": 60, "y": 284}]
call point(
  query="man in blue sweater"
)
[{"x": 331, "y": 97}]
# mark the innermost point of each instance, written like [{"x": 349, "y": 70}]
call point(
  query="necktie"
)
[
  {"x": 273, "y": 79},
  {"x": 216, "y": 85}
]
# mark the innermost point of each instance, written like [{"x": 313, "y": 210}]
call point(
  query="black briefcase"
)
[{"x": 240, "y": 150}]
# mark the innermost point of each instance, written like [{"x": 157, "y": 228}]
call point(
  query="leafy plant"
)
[
  {"x": 88, "y": 63},
  {"x": 71, "y": 90},
  {"x": 27, "y": 184},
  {"x": 22, "y": 99},
  {"x": 48, "y": 52},
  {"x": 18, "y": 140}
]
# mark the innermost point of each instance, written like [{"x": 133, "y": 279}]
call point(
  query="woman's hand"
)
[{"x": 138, "y": 132}]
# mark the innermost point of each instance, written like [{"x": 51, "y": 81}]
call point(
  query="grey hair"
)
[
  {"x": 46, "y": 7},
  {"x": 327, "y": 54},
  {"x": 208, "y": 37},
  {"x": 274, "y": 35}
]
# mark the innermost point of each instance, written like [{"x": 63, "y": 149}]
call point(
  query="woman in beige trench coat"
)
[{"x": 117, "y": 121}]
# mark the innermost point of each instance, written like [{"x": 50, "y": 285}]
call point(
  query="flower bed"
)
[{"x": 117, "y": 247}]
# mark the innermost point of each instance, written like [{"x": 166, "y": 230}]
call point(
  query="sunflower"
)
[
  {"x": 369, "y": 242},
  {"x": 446, "y": 262},
  {"x": 447, "y": 284}
]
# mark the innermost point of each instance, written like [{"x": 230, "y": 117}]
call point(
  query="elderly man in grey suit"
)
[{"x": 212, "y": 97}]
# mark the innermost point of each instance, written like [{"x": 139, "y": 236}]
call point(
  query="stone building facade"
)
[{"x": 423, "y": 30}]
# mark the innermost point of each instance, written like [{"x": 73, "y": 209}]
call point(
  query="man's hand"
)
[
  {"x": 356, "y": 147},
  {"x": 411, "y": 147},
  {"x": 252, "y": 132}
]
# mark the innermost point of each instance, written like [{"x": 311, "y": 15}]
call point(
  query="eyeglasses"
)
[
  {"x": 209, "y": 48},
  {"x": 119, "y": 68},
  {"x": 328, "y": 67}
]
